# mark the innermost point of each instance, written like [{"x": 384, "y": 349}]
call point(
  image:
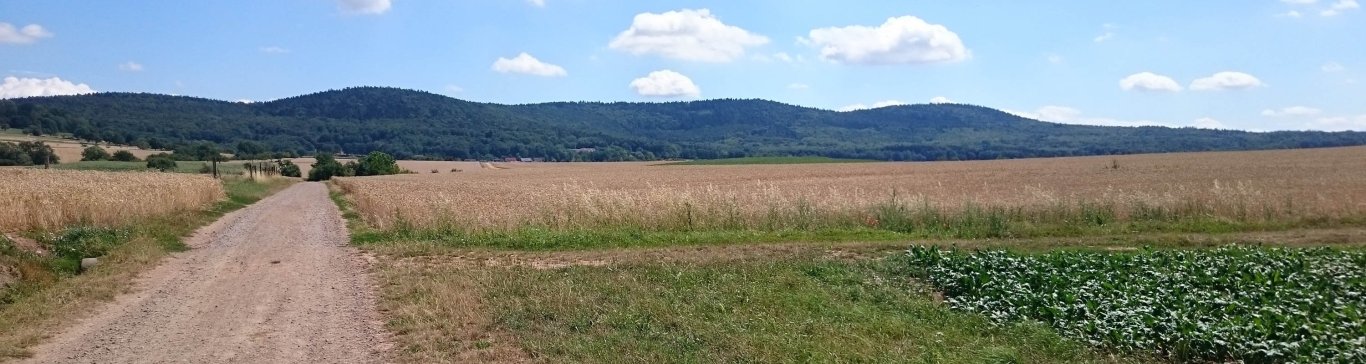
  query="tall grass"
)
[{"x": 33, "y": 199}]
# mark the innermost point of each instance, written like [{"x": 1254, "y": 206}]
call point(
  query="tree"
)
[
  {"x": 289, "y": 169},
  {"x": 326, "y": 167},
  {"x": 249, "y": 149},
  {"x": 123, "y": 156},
  {"x": 94, "y": 153},
  {"x": 39, "y": 152},
  {"x": 377, "y": 164},
  {"x": 161, "y": 162}
]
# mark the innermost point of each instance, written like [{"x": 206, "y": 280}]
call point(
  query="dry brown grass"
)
[
  {"x": 37, "y": 199},
  {"x": 1308, "y": 183}
]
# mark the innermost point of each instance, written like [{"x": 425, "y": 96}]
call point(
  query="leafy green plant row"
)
[{"x": 1233, "y": 303}]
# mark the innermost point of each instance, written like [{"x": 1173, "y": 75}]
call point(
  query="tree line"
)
[{"x": 410, "y": 124}]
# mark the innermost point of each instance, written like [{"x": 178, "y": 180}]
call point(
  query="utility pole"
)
[{"x": 215, "y": 165}]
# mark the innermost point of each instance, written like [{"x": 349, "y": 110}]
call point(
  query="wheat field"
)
[
  {"x": 39, "y": 199},
  {"x": 1243, "y": 186}
]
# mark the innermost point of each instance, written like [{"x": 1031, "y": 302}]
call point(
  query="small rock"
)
[
  {"x": 88, "y": 263},
  {"x": 274, "y": 262}
]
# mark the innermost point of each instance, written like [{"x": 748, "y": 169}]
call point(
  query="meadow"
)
[{"x": 630, "y": 262}]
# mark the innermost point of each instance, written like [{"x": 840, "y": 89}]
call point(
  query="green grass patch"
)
[
  {"x": 765, "y": 160},
  {"x": 1231, "y": 304},
  {"x": 801, "y": 309}
]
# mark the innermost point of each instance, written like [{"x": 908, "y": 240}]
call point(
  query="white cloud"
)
[
  {"x": 1103, "y": 37},
  {"x": 373, "y": 7},
  {"x": 1291, "y": 14},
  {"x": 1055, "y": 59},
  {"x": 899, "y": 40},
  {"x": 1340, "y": 6},
  {"x": 1068, "y": 115},
  {"x": 526, "y": 64},
  {"x": 798, "y": 86},
  {"x": 1340, "y": 123},
  {"x": 14, "y": 87},
  {"x": 244, "y": 101},
  {"x": 274, "y": 50},
  {"x": 1332, "y": 67},
  {"x": 1209, "y": 123},
  {"x": 9, "y": 34},
  {"x": 940, "y": 100},
  {"x": 1226, "y": 80},
  {"x": 665, "y": 83},
  {"x": 1292, "y": 111},
  {"x": 130, "y": 66},
  {"x": 690, "y": 35},
  {"x": 879, "y": 104},
  {"x": 536, "y": 3},
  {"x": 1148, "y": 81}
]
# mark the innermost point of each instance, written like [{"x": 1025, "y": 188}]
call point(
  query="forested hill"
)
[{"x": 415, "y": 124}]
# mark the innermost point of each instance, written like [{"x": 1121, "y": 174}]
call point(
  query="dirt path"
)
[{"x": 274, "y": 282}]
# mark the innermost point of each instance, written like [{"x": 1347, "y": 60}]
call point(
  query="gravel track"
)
[{"x": 275, "y": 282}]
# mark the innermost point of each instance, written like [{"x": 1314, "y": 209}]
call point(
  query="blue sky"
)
[{"x": 1252, "y": 65}]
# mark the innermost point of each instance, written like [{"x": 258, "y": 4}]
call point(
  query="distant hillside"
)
[{"x": 413, "y": 124}]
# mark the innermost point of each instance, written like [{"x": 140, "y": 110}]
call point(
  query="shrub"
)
[
  {"x": 94, "y": 153},
  {"x": 161, "y": 162},
  {"x": 289, "y": 169},
  {"x": 326, "y": 167},
  {"x": 377, "y": 164},
  {"x": 123, "y": 156}
]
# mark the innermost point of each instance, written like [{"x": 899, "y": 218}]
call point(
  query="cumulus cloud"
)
[
  {"x": 940, "y": 100},
  {"x": 1292, "y": 111},
  {"x": 1209, "y": 123},
  {"x": 536, "y": 3},
  {"x": 526, "y": 64},
  {"x": 15, "y": 87},
  {"x": 690, "y": 35},
  {"x": 274, "y": 50},
  {"x": 665, "y": 83},
  {"x": 1148, "y": 81},
  {"x": 371, "y": 7},
  {"x": 1227, "y": 80},
  {"x": 879, "y": 104},
  {"x": 9, "y": 34},
  {"x": 130, "y": 66},
  {"x": 899, "y": 40}
]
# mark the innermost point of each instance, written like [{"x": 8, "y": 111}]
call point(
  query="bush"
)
[
  {"x": 94, "y": 153},
  {"x": 327, "y": 167},
  {"x": 161, "y": 162},
  {"x": 289, "y": 169},
  {"x": 123, "y": 156},
  {"x": 377, "y": 164}
]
